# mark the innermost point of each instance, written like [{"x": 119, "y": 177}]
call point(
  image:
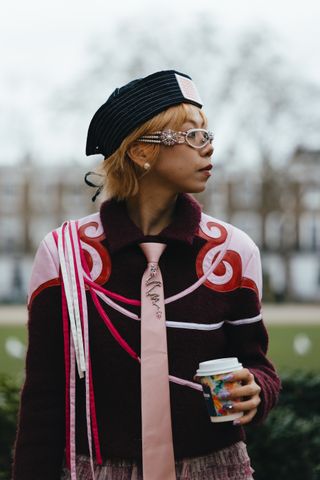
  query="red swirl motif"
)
[
  {"x": 217, "y": 240},
  {"x": 222, "y": 279},
  {"x": 227, "y": 275},
  {"x": 92, "y": 246}
]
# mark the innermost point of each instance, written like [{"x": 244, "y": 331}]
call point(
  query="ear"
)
[{"x": 137, "y": 154}]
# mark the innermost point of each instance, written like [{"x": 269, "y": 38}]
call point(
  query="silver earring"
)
[{"x": 146, "y": 166}]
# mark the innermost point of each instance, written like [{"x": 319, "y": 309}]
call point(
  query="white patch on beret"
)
[{"x": 188, "y": 88}]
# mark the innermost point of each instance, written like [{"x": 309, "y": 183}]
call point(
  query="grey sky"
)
[{"x": 43, "y": 46}]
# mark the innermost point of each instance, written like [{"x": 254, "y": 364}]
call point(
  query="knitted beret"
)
[{"x": 133, "y": 104}]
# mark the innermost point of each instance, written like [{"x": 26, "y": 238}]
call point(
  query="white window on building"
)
[
  {"x": 273, "y": 229},
  {"x": 305, "y": 276},
  {"x": 75, "y": 201},
  {"x": 11, "y": 196},
  {"x": 219, "y": 201},
  {"x": 250, "y": 222},
  {"x": 280, "y": 230},
  {"x": 11, "y": 233},
  {"x": 43, "y": 196},
  {"x": 273, "y": 266},
  {"x": 309, "y": 230},
  {"x": 311, "y": 199},
  {"x": 246, "y": 193},
  {"x": 38, "y": 228}
]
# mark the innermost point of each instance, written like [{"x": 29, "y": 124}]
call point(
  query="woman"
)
[{"x": 96, "y": 400}]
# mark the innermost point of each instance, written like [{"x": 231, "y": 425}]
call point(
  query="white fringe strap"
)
[{"x": 72, "y": 278}]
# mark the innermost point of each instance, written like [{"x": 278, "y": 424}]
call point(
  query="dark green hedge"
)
[
  {"x": 9, "y": 403},
  {"x": 285, "y": 447}
]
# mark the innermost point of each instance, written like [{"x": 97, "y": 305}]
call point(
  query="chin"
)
[{"x": 198, "y": 189}]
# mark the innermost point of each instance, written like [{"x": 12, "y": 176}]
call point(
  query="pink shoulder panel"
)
[
  {"x": 240, "y": 266},
  {"x": 46, "y": 267},
  {"x": 45, "y": 270}
]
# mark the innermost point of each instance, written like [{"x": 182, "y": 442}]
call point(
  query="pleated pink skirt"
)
[{"x": 231, "y": 463}]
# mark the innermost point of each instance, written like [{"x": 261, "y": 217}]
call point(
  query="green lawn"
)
[
  {"x": 12, "y": 340},
  {"x": 290, "y": 348},
  {"x": 295, "y": 347}
]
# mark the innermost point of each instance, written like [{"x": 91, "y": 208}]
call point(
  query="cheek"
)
[
  {"x": 174, "y": 168},
  {"x": 175, "y": 160}
]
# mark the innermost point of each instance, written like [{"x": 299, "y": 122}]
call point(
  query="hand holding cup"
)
[
  {"x": 244, "y": 398},
  {"x": 230, "y": 391}
]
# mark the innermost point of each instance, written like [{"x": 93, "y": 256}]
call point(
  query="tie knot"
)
[{"x": 152, "y": 251}]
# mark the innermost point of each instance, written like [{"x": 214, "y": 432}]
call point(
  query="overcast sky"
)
[{"x": 44, "y": 46}]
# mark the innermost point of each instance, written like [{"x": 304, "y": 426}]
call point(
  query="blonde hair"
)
[{"x": 121, "y": 174}]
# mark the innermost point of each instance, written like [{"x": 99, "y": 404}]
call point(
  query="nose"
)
[{"x": 207, "y": 151}]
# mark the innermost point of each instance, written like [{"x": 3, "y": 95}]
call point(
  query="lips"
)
[{"x": 208, "y": 168}]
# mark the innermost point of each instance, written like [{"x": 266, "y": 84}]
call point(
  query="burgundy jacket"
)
[{"x": 221, "y": 318}]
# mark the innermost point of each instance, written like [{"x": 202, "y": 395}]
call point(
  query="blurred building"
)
[
  {"x": 33, "y": 201},
  {"x": 279, "y": 210}
]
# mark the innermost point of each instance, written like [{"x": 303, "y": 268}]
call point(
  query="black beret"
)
[{"x": 133, "y": 104}]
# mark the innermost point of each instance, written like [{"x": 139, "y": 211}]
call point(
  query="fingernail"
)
[
  {"x": 223, "y": 395},
  {"x": 227, "y": 377},
  {"x": 228, "y": 405},
  {"x": 236, "y": 422}
]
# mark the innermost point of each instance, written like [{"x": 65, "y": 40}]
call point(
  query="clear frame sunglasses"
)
[{"x": 195, "y": 137}]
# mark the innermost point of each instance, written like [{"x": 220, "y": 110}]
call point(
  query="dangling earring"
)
[{"x": 146, "y": 166}]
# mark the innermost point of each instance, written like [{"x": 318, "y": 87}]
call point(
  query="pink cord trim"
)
[
  {"x": 66, "y": 343},
  {"x": 66, "y": 340},
  {"x": 203, "y": 278},
  {"x": 114, "y": 332},
  {"x": 185, "y": 383},
  {"x": 81, "y": 295},
  {"x": 71, "y": 445},
  {"x": 72, "y": 411},
  {"x": 91, "y": 408},
  {"x": 116, "y": 296},
  {"x": 94, "y": 424}
]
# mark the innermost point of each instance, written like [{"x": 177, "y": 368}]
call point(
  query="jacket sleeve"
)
[
  {"x": 248, "y": 337},
  {"x": 40, "y": 440}
]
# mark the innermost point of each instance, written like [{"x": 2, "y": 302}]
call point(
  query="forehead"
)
[{"x": 195, "y": 116}]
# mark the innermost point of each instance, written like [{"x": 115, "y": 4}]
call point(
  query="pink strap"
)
[
  {"x": 84, "y": 320},
  {"x": 157, "y": 444},
  {"x": 116, "y": 296},
  {"x": 77, "y": 307},
  {"x": 114, "y": 332},
  {"x": 66, "y": 342},
  {"x": 72, "y": 411},
  {"x": 90, "y": 400}
]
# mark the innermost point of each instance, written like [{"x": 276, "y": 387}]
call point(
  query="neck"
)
[{"x": 151, "y": 211}]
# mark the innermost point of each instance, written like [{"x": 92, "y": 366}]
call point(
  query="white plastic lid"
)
[{"x": 220, "y": 365}]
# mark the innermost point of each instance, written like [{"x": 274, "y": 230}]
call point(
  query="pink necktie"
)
[{"x": 157, "y": 446}]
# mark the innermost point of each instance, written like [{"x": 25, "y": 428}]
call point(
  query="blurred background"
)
[{"x": 256, "y": 65}]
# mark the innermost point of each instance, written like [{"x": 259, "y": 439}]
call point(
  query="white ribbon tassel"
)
[
  {"x": 74, "y": 234},
  {"x": 70, "y": 263},
  {"x": 67, "y": 279}
]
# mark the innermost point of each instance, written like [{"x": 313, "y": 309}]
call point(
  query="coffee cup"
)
[{"x": 212, "y": 377}]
